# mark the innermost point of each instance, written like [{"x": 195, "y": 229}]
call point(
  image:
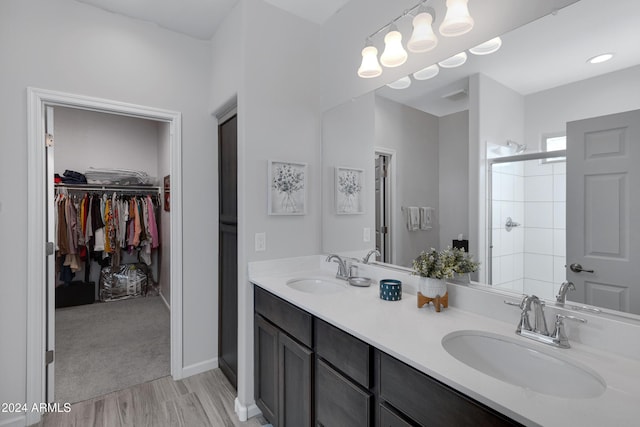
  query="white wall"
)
[
  {"x": 414, "y": 136},
  {"x": 71, "y": 47},
  {"x": 453, "y": 176},
  {"x": 550, "y": 110},
  {"x": 496, "y": 114},
  {"x": 86, "y": 139},
  {"x": 164, "y": 217},
  {"x": 348, "y": 135},
  {"x": 279, "y": 119}
]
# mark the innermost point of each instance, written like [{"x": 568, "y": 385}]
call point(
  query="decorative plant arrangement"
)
[
  {"x": 434, "y": 267},
  {"x": 444, "y": 264},
  {"x": 287, "y": 189},
  {"x": 348, "y": 190}
]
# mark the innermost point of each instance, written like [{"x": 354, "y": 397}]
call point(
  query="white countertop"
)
[{"x": 414, "y": 336}]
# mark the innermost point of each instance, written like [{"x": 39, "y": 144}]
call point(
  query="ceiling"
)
[
  {"x": 201, "y": 18},
  {"x": 546, "y": 53}
]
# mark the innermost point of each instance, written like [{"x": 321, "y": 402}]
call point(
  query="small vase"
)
[
  {"x": 462, "y": 278},
  {"x": 432, "y": 288}
]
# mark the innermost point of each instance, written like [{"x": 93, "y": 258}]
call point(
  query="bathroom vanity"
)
[{"x": 346, "y": 357}]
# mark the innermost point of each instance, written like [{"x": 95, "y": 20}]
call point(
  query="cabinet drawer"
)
[
  {"x": 429, "y": 402},
  {"x": 286, "y": 316},
  {"x": 339, "y": 402},
  {"x": 347, "y": 353},
  {"x": 388, "y": 418}
]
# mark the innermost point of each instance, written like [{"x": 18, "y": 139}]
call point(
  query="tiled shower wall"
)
[
  {"x": 529, "y": 258},
  {"x": 507, "y": 193},
  {"x": 544, "y": 227}
]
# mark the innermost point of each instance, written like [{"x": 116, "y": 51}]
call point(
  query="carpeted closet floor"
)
[{"x": 104, "y": 347}]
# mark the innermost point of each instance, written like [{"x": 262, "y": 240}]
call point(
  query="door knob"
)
[{"x": 577, "y": 268}]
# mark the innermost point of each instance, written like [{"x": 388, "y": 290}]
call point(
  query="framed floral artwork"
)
[
  {"x": 349, "y": 191},
  {"x": 287, "y": 188}
]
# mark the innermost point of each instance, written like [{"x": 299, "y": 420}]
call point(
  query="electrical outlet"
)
[
  {"x": 366, "y": 234},
  {"x": 261, "y": 242}
]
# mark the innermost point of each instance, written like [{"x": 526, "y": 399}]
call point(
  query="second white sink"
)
[
  {"x": 316, "y": 285},
  {"x": 517, "y": 363}
]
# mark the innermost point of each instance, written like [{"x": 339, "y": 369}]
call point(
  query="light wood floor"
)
[{"x": 201, "y": 400}]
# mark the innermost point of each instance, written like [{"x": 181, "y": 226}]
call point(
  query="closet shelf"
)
[{"x": 110, "y": 187}]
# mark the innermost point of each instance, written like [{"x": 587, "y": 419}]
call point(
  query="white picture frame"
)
[
  {"x": 287, "y": 192},
  {"x": 349, "y": 190}
]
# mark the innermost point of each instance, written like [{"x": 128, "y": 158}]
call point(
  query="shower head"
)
[{"x": 516, "y": 147}]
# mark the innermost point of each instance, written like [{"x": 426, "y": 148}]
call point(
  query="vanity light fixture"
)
[
  {"x": 454, "y": 61},
  {"x": 394, "y": 54},
  {"x": 457, "y": 20},
  {"x": 423, "y": 39},
  {"x": 427, "y": 73},
  {"x": 370, "y": 66},
  {"x": 598, "y": 59},
  {"x": 487, "y": 47},
  {"x": 401, "y": 83}
]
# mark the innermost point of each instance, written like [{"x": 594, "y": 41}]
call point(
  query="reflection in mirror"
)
[{"x": 469, "y": 144}]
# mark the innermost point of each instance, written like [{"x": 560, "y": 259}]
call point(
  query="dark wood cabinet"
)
[
  {"x": 390, "y": 418},
  {"x": 346, "y": 382},
  {"x": 283, "y": 366},
  {"x": 430, "y": 403},
  {"x": 294, "y": 383},
  {"x": 265, "y": 339},
  {"x": 340, "y": 402}
]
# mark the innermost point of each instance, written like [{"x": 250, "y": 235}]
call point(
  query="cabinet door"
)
[
  {"x": 339, "y": 402},
  {"x": 266, "y": 369},
  {"x": 294, "y": 378},
  {"x": 429, "y": 402}
]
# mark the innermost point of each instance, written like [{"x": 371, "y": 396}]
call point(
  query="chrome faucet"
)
[
  {"x": 365, "y": 260},
  {"x": 540, "y": 323},
  {"x": 564, "y": 289},
  {"x": 539, "y": 331},
  {"x": 343, "y": 270}
]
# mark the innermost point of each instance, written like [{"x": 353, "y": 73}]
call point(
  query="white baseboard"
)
[
  {"x": 198, "y": 368},
  {"x": 245, "y": 412},
  {"x": 164, "y": 300},
  {"x": 19, "y": 421}
]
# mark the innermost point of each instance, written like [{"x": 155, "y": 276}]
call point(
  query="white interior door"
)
[
  {"x": 603, "y": 208},
  {"x": 51, "y": 259}
]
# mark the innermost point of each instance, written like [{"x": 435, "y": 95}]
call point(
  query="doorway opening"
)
[
  {"x": 44, "y": 198},
  {"x": 384, "y": 202}
]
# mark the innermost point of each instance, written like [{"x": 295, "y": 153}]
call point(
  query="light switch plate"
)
[
  {"x": 366, "y": 234},
  {"x": 261, "y": 242}
]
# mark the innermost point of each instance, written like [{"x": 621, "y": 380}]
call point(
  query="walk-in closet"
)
[{"x": 109, "y": 212}]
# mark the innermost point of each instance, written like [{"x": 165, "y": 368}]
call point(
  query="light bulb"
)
[
  {"x": 457, "y": 20},
  {"x": 454, "y": 61},
  {"x": 487, "y": 47},
  {"x": 600, "y": 58},
  {"x": 401, "y": 83},
  {"x": 423, "y": 39},
  {"x": 427, "y": 73},
  {"x": 394, "y": 54},
  {"x": 369, "y": 67}
]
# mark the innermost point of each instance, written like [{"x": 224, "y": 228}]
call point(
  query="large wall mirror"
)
[{"x": 529, "y": 155}]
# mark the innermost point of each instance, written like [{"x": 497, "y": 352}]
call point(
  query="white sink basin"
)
[
  {"x": 316, "y": 285},
  {"x": 517, "y": 363}
]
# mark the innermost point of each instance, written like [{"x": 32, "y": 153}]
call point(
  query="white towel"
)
[
  {"x": 413, "y": 218},
  {"x": 425, "y": 218}
]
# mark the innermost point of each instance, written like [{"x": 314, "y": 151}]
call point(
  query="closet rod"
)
[{"x": 116, "y": 188}]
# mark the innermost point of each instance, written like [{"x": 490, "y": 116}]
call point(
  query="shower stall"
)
[{"x": 527, "y": 214}]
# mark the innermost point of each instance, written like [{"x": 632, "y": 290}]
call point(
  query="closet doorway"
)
[{"x": 165, "y": 265}]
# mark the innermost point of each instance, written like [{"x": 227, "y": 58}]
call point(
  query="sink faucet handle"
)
[
  {"x": 559, "y": 336},
  {"x": 560, "y": 317}
]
